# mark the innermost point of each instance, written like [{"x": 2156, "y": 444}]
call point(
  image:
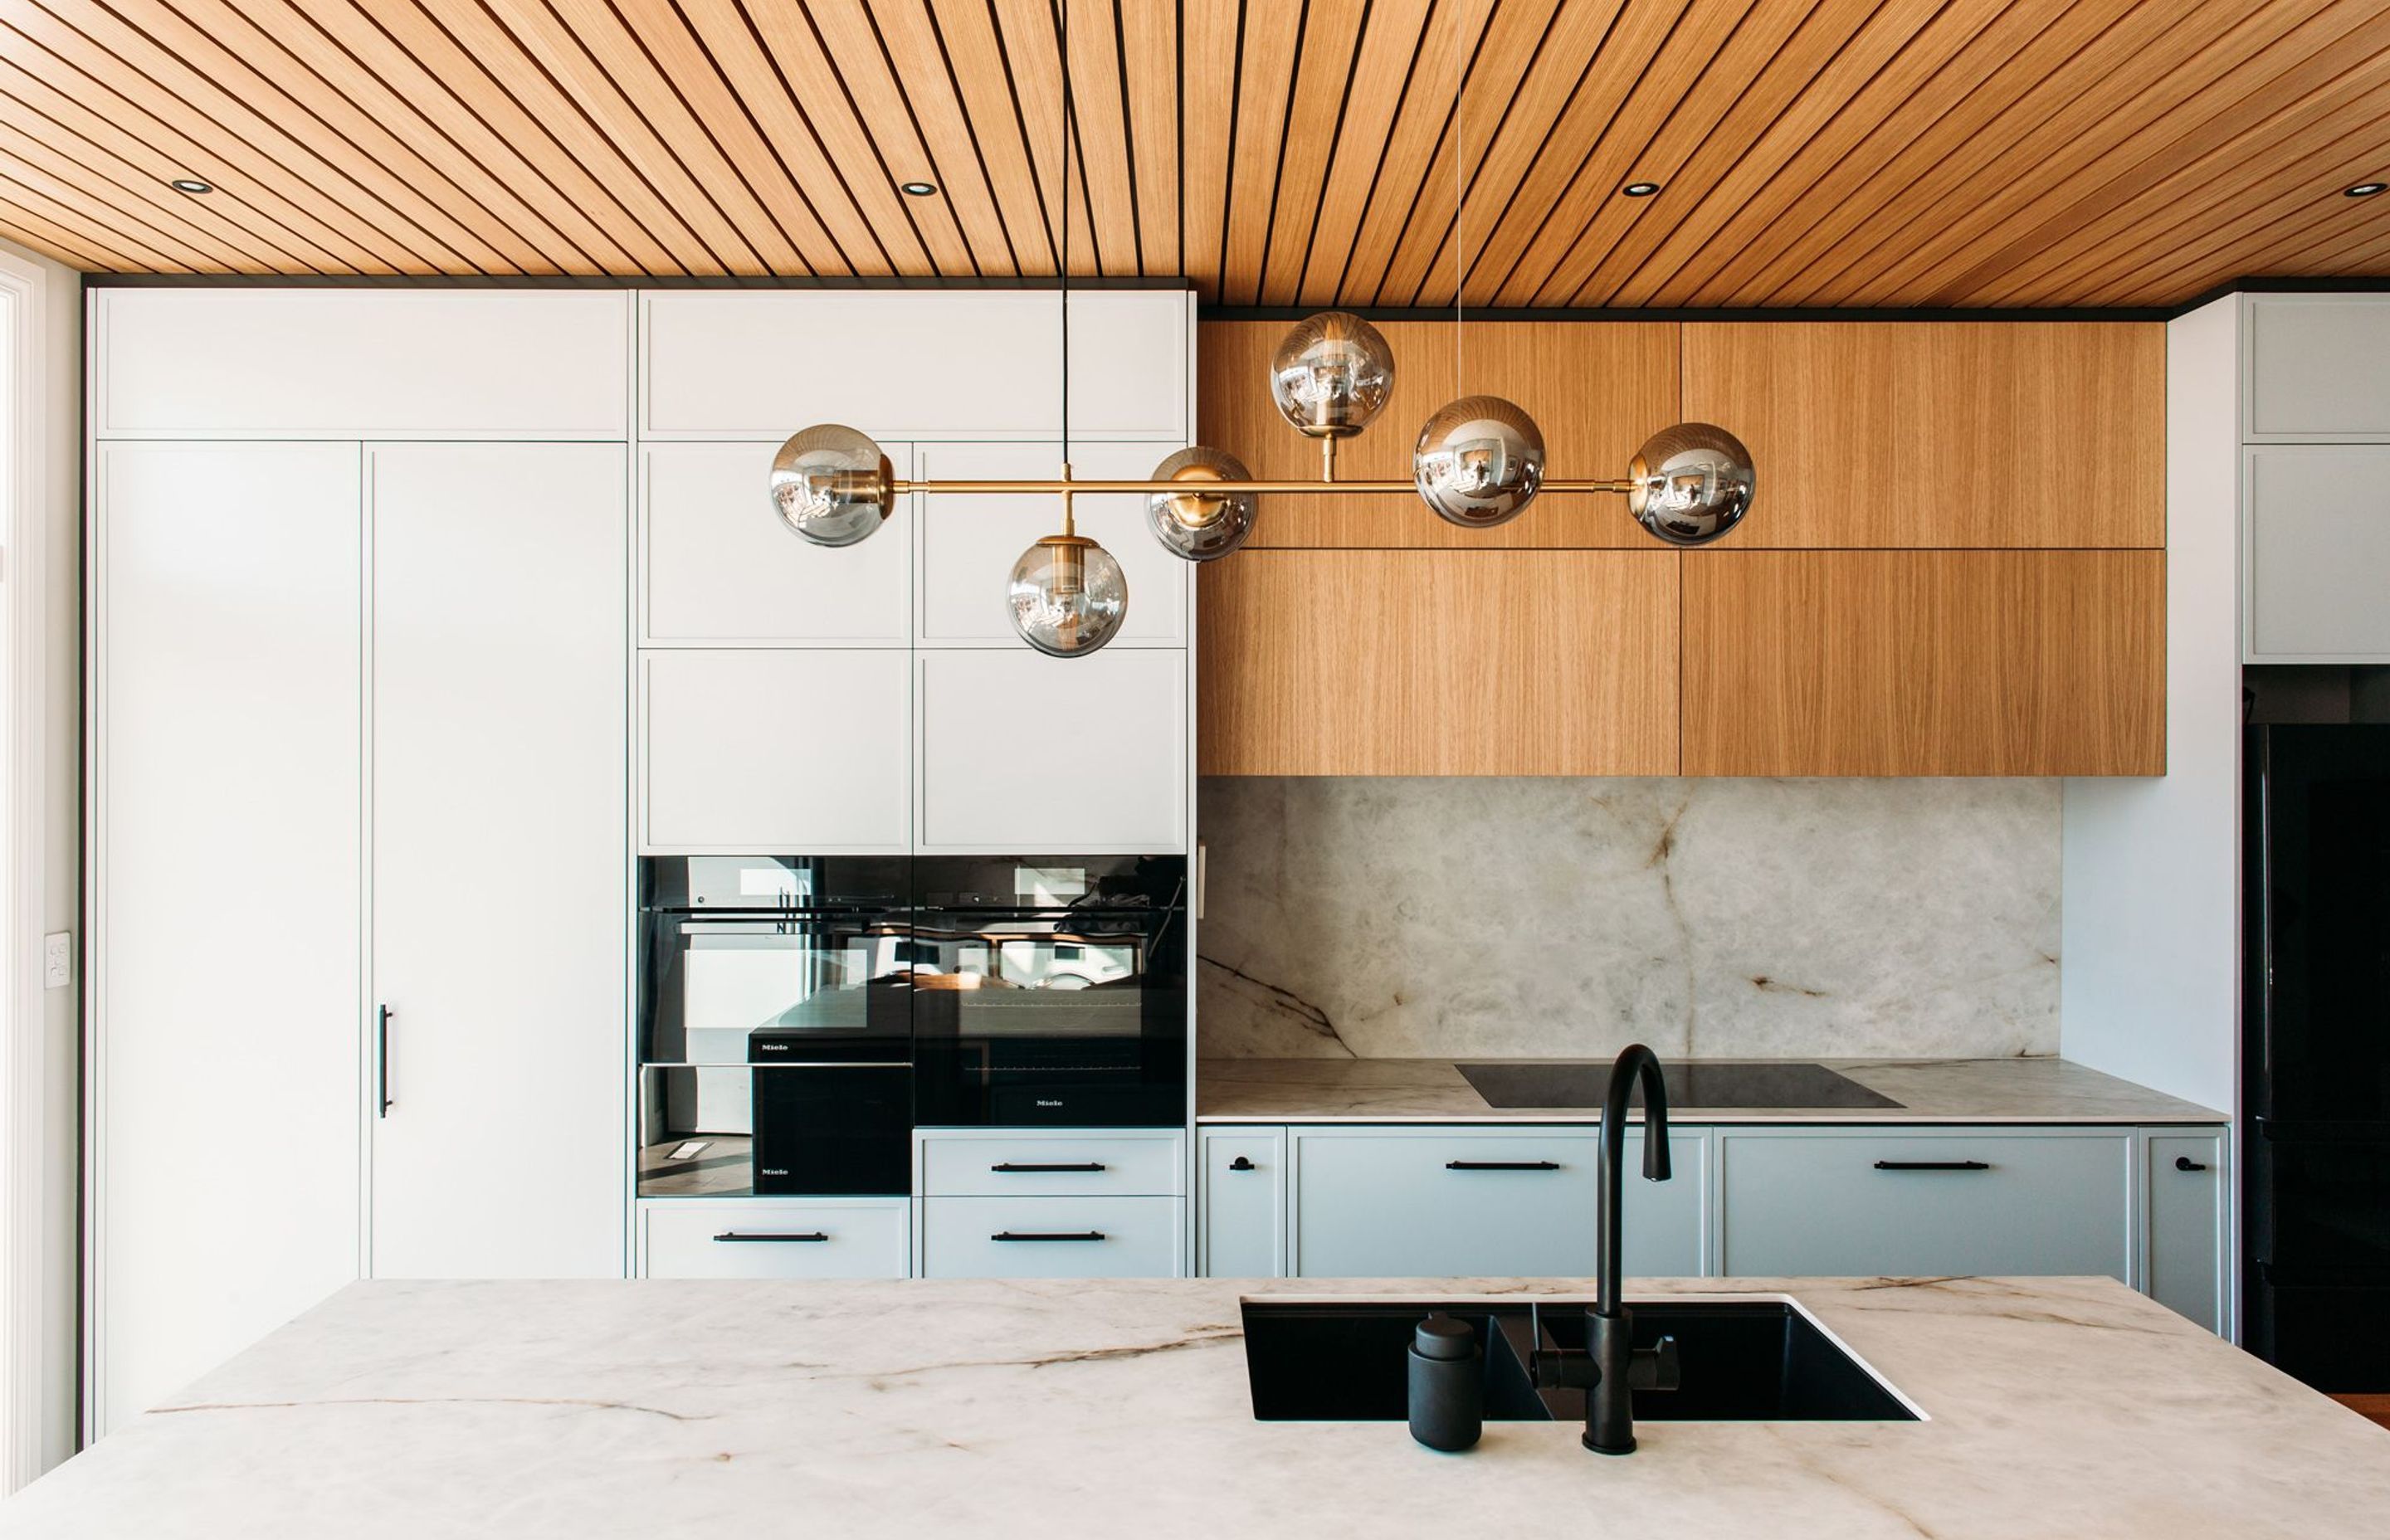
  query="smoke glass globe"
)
[
  {"x": 1332, "y": 375},
  {"x": 1200, "y": 523},
  {"x": 1068, "y": 596},
  {"x": 1691, "y": 483},
  {"x": 832, "y": 484},
  {"x": 1479, "y": 462}
]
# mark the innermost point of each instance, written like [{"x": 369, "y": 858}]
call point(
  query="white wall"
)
[
  {"x": 38, "y": 1413},
  {"x": 2151, "y": 987}
]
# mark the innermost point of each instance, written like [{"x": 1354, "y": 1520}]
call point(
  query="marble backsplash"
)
[{"x": 1544, "y": 918}]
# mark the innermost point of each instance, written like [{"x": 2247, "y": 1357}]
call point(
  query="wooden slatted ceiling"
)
[{"x": 1278, "y": 152}]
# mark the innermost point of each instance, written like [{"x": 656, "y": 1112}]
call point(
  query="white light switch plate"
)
[{"x": 57, "y": 959}]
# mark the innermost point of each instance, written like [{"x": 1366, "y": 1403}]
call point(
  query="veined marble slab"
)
[
  {"x": 2058, "y": 1407},
  {"x": 1553, "y": 916},
  {"x": 1432, "y": 1090}
]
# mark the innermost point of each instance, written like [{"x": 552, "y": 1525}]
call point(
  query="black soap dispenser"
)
[{"x": 1447, "y": 1384}]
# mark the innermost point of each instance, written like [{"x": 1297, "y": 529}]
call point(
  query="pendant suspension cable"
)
[
  {"x": 1459, "y": 193},
  {"x": 1063, "y": 32}
]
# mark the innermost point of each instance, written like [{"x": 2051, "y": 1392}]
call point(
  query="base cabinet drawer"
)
[
  {"x": 2187, "y": 1190},
  {"x": 1240, "y": 1179},
  {"x": 1819, "y": 1203},
  {"x": 1466, "y": 1203},
  {"x": 816, "y": 1238},
  {"x": 1053, "y": 1238},
  {"x": 1054, "y": 1164}
]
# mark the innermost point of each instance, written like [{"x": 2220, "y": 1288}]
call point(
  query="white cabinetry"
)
[
  {"x": 804, "y": 752},
  {"x": 1487, "y": 1203},
  {"x": 227, "y": 698},
  {"x": 2315, "y": 555},
  {"x": 1846, "y": 1203},
  {"x": 1080, "y": 756},
  {"x": 721, "y": 570},
  {"x": 2187, "y": 1207},
  {"x": 1067, "y": 1202},
  {"x": 772, "y": 1238},
  {"x": 1241, "y": 1182},
  {"x": 500, "y": 763},
  {"x": 2317, "y": 368}
]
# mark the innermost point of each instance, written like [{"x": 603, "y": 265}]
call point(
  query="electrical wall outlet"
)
[{"x": 57, "y": 959}]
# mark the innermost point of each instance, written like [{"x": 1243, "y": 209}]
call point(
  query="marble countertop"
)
[
  {"x": 1929, "y": 1090},
  {"x": 2057, "y": 1407}
]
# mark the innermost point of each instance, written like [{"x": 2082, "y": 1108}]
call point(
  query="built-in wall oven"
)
[
  {"x": 1051, "y": 990},
  {"x": 775, "y": 1028}
]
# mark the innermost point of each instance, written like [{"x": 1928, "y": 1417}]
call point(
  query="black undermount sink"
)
[{"x": 1747, "y": 1360}]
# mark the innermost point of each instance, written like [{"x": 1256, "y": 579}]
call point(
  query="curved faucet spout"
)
[{"x": 1635, "y": 1063}]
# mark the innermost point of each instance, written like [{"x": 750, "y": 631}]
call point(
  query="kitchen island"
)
[{"x": 2055, "y": 1408}]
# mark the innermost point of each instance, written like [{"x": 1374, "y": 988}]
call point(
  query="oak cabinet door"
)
[{"x": 1924, "y": 662}]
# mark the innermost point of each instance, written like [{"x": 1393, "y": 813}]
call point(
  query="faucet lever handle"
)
[{"x": 1655, "y": 1367}]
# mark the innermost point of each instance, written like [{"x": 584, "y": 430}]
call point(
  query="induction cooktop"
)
[{"x": 1708, "y": 1082}]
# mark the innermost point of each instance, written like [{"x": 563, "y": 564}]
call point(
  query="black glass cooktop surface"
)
[{"x": 1718, "y": 1083}]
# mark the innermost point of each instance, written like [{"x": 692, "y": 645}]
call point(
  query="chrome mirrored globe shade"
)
[
  {"x": 1205, "y": 521},
  {"x": 1068, "y": 595},
  {"x": 1332, "y": 375},
  {"x": 1479, "y": 462},
  {"x": 1691, "y": 483},
  {"x": 832, "y": 484}
]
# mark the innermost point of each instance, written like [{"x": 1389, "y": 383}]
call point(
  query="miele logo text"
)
[
  {"x": 776, "y": 1171},
  {"x": 1043, "y": 1103}
]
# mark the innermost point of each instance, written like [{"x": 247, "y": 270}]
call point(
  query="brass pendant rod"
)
[{"x": 975, "y": 488}]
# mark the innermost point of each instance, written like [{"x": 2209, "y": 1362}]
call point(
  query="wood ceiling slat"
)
[
  {"x": 965, "y": 29},
  {"x": 1504, "y": 71},
  {"x": 76, "y": 185},
  {"x": 1099, "y": 141},
  {"x": 1728, "y": 35},
  {"x": 285, "y": 49},
  {"x": 1591, "y": 145},
  {"x": 78, "y": 135},
  {"x": 2031, "y": 38},
  {"x": 1408, "y": 171},
  {"x": 1264, "y": 89},
  {"x": 182, "y": 125},
  {"x": 933, "y": 89},
  {"x": 75, "y": 247},
  {"x": 1390, "y": 42},
  {"x": 497, "y": 86},
  {"x": 1847, "y": 102},
  {"x": 1323, "y": 77},
  {"x": 1150, "y": 86},
  {"x": 1207, "y": 77},
  {"x": 2180, "y": 143},
  {"x": 2326, "y": 127},
  {"x": 143, "y": 247},
  {"x": 199, "y": 67},
  {"x": 2099, "y": 98},
  {"x": 1027, "y": 30},
  {"x": 868, "y": 121}
]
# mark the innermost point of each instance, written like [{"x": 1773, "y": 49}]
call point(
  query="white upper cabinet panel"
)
[
  {"x": 719, "y": 569},
  {"x": 801, "y": 752},
  {"x": 361, "y": 364},
  {"x": 2315, "y": 559},
  {"x": 957, "y": 363},
  {"x": 968, "y": 544},
  {"x": 1082, "y": 756},
  {"x": 2317, "y": 367}
]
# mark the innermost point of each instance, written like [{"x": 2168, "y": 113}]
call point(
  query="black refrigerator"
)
[{"x": 2315, "y": 1100}]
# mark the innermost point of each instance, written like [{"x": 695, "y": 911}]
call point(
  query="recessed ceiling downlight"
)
[
  {"x": 190, "y": 185},
  {"x": 917, "y": 189},
  {"x": 2367, "y": 189},
  {"x": 1640, "y": 189}
]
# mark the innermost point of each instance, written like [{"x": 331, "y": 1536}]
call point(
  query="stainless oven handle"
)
[{"x": 808, "y": 1064}]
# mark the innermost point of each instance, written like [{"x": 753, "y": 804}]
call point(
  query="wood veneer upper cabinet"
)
[
  {"x": 1439, "y": 664},
  {"x": 1924, "y": 662},
  {"x": 1596, "y": 390},
  {"x": 1953, "y": 434}
]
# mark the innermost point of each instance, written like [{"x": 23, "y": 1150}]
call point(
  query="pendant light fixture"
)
[{"x": 1478, "y": 461}]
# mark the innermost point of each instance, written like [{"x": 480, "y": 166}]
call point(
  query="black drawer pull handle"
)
[
  {"x": 1501, "y": 1165},
  {"x": 1243, "y": 1163},
  {"x": 1039, "y": 1235},
  {"x": 782, "y": 1235},
  {"x": 2184, "y": 1162},
  {"x": 1932, "y": 1165},
  {"x": 1066, "y": 1165}
]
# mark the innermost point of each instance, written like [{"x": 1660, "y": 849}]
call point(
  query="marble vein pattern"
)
[
  {"x": 1940, "y": 1090},
  {"x": 1060, "y": 1408},
  {"x": 1557, "y": 917}
]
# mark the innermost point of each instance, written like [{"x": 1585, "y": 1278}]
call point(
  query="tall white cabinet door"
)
[
  {"x": 969, "y": 543},
  {"x": 226, "y": 635},
  {"x": 1078, "y": 757},
  {"x": 500, "y": 752}
]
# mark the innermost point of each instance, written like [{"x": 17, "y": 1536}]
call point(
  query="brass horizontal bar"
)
[{"x": 1269, "y": 488}]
